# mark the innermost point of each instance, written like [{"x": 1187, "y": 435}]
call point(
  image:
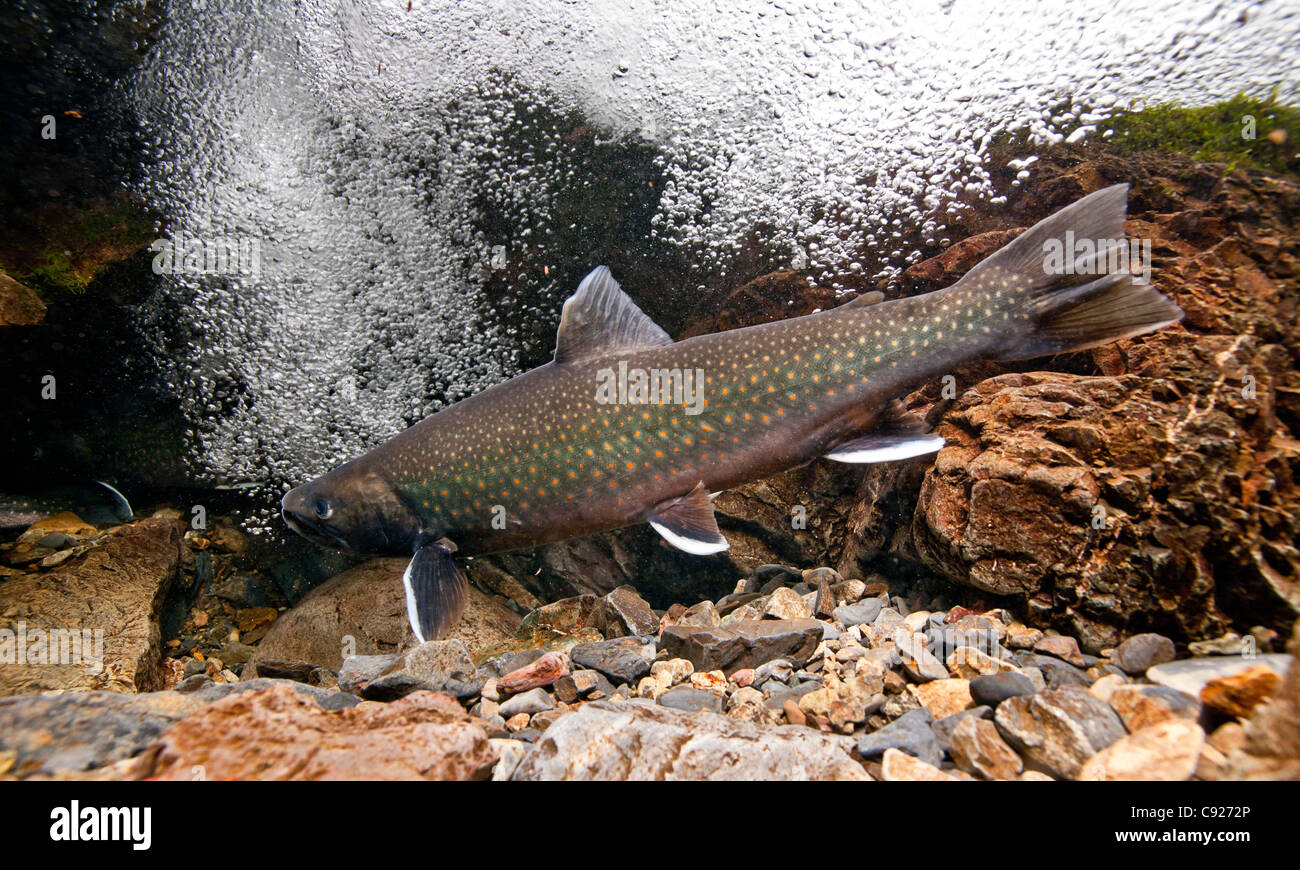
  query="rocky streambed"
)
[{"x": 795, "y": 674}]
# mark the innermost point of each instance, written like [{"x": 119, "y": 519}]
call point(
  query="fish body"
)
[{"x": 626, "y": 426}]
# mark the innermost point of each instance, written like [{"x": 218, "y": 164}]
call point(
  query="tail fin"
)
[{"x": 1063, "y": 302}]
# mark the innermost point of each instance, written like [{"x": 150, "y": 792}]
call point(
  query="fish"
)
[{"x": 625, "y": 426}]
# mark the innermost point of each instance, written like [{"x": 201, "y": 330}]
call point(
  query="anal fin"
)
[
  {"x": 435, "y": 590},
  {"x": 688, "y": 523}
]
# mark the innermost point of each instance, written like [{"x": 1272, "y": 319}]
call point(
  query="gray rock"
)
[
  {"x": 1057, "y": 730},
  {"x": 778, "y": 694},
  {"x": 744, "y": 644},
  {"x": 435, "y": 666},
  {"x": 862, "y": 613},
  {"x": 993, "y": 689},
  {"x": 767, "y": 578},
  {"x": 622, "y": 660},
  {"x": 1057, "y": 674},
  {"x": 691, "y": 699},
  {"x": 534, "y": 701},
  {"x": 359, "y": 670},
  {"x": 1143, "y": 651},
  {"x": 620, "y": 740},
  {"x": 910, "y": 733}
]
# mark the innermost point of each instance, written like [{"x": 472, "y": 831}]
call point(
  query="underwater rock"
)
[
  {"x": 744, "y": 644},
  {"x": 1057, "y": 730},
  {"x": 623, "y": 740},
  {"x": 977, "y": 747},
  {"x": 97, "y": 613},
  {"x": 623, "y": 659},
  {"x": 898, "y": 766},
  {"x": 1140, "y": 706},
  {"x": 368, "y": 605},
  {"x": 910, "y": 732},
  {"x": 1142, "y": 652},
  {"x": 1239, "y": 694},
  {"x": 1165, "y": 752},
  {"x": 63, "y": 734},
  {"x": 1270, "y": 745},
  {"x": 278, "y": 734},
  {"x": 19, "y": 305},
  {"x": 1192, "y": 675}
]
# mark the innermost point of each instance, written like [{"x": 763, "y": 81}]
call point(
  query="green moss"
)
[
  {"x": 1222, "y": 132},
  {"x": 68, "y": 247}
]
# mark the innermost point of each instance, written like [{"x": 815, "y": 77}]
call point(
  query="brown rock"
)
[
  {"x": 898, "y": 766},
  {"x": 1141, "y": 706},
  {"x": 1168, "y": 752},
  {"x": 368, "y": 604},
  {"x": 277, "y": 733},
  {"x": 19, "y": 305},
  {"x": 1064, "y": 648},
  {"x": 1271, "y": 745},
  {"x": 544, "y": 671},
  {"x": 944, "y": 697},
  {"x": 977, "y": 747},
  {"x": 1057, "y": 730},
  {"x": 1239, "y": 694},
  {"x": 101, "y": 609}
]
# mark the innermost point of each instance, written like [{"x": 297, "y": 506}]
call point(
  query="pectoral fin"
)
[
  {"x": 688, "y": 523},
  {"x": 435, "y": 590},
  {"x": 885, "y": 447}
]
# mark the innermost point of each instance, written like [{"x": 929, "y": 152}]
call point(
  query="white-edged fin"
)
[
  {"x": 435, "y": 591},
  {"x": 600, "y": 318},
  {"x": 885, "y": 447},
  {"x": 124, "y": 511},
  {"x": 688, "y": 523}
]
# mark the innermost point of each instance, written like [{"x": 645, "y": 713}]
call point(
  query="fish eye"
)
[{"x": 322, "y": 508}]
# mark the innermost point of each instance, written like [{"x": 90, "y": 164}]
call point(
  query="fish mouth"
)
[{"x": 310, "y": 530}]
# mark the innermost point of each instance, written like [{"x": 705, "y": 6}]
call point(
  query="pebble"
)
[
  {"x": 691, "y": 699},
  {"x": 1140, "y": 706},
  {"x": 1191, "y": 675},
  {"x": 1064, "y": 648},
  {"x": 977, "y": 747},
  {"x": 992, "y": 689},
  {"x": 910, "y": 733},
  {"x": 944, "y": 727},
  {"x": 1228, "y": 645},
  {"x": 785, "y": 603},
  {"x": 1239, "y": 694},
  {"x": 920, "y": 665},
  {"x": 1143, "y": 651},
  {"x": 621, "y": 660},
  {"x": 862, "y": 613},
  {"x": 530, "y": 702},
  {"x": 896, "y": 766},
  {"x": 944, "y": 697}
]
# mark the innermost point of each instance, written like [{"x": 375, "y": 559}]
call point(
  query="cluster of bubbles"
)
[{"x": 356, "y": 142}]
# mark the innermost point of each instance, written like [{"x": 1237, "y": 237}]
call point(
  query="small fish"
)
[{"x": 590, "y": 441}]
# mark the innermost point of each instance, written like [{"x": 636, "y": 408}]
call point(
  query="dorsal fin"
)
[
  {"x": 600, "y": 318},
  {"x": 864, "y": 300}
]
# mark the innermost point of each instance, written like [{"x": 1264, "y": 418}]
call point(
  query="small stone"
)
[
  {"x": 992, "y": 689},
  {"x": 1165, "y": 752},
  {"x": 509, "y": 753},
  {"x": 944, "y": 697},
  {"x": 1143, "y": 651},
  {"x": 969, "y": 662},
  {"x": 785, "y": 603},
  {"x": 862, "y": 613},
  {"x": 1228, "y": 737},
  {"x": 944, "y": 727},
  {"x": 702, "y": 615},
  {"x": 909, "y": 732},
  {"x": 919, "y": 664},
  {"x": 628, "y": 609},
  {"x": 543, "y": 672},
  {"x": 691, "y": 699},
  {"x": 518, "y": 722},
  {"x": 743, "y": 677},
  {"x": 898, "y": 766},
  {"x": 745, "y": 644},
  {"x": 1106, "y": 685},
  {"x": 710, "y": 681},
  {"x": 793, "y": 714},
  {"x": 1209, "y": 766},
  {"x": 1022, "y": 637},
  {"x": 977, "y": 747},
  {"x": 1064, "y": 648},
  {"x": 1143, "y": 706},
  {"x": 622, "y": 660},
  {"x": 534, "y": 701},
  {"x": 1239, "y": 694}
]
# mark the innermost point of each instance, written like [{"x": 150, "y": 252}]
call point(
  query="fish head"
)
[{"x": 353, "y": 509}]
